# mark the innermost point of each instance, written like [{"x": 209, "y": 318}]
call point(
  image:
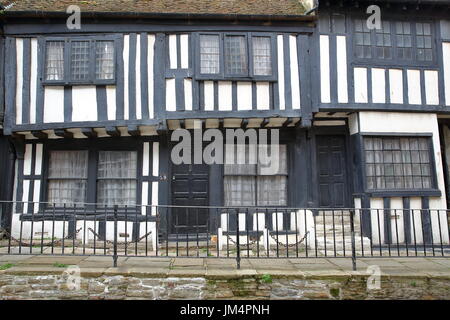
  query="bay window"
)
[{"x": 399, "y": 163}]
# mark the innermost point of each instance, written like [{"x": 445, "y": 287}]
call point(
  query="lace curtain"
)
[
  {"x": 117, "y": 174},
  {"x": 55, "y": 60},
  {"x": 67, "y": 177},
  {"x": 248, "y": 185}
]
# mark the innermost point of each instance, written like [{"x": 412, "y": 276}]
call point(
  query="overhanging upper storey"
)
[
  {"x": 121, "y": 76},
  {"x": 391, "y": 56}
]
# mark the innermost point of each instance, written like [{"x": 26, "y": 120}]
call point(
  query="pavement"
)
[{"x": 94, "y": 266}]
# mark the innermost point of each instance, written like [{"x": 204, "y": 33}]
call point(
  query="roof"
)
[{"x": 163, "y": 7}]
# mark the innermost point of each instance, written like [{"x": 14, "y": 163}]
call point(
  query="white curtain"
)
[
  {"x": 55, "y": 60},
  {"x": 117, "y": 178},
  {"x": 67, "y": 177},
  {"x": 244, "y": 185},
  {"x": 104, "y": 60}
]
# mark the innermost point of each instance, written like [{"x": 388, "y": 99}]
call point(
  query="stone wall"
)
[{"x": 28, "y": 286}]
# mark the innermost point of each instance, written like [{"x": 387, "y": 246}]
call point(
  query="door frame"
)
[{"x": 330, "y": 131}]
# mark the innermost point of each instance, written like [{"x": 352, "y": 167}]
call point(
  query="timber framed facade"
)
[{"x": 363, "y": 115}]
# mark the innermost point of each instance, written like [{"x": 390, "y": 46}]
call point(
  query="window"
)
[
  {"x": 116, "y": 177},
  {"x": 67, "y": 177},
  {"x": 251, "y": 184},
  {"x": 104, "y": 56},
  {"x": 404, "y": 40},
  {"x": 80, "y": 61},
  {"x": 396, "y": 42},
  {"x": 71, "y": 178},
  {"x": 209, "y": 54},
  {"x": 363, "y": 41},
  {"x": 241, "y": 56},
  {"x": 236, "y": 55},
  {"x": 398, "y": 163},
  {"x": 383, "y": 42},
  {"x": 55, "y": 60},
  {"x": 423, "y": 40},
  {"x": 262, "y": 66}
]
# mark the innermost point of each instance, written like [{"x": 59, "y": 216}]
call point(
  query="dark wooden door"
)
[
  {"x": 190, "y": 186},
  {"x": 332, "y": 171}
]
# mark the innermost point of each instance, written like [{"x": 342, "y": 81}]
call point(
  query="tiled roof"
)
[{"x": 194, "y": 7}]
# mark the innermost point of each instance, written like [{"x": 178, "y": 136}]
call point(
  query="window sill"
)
[
  {"x": 236, "y": 78},
  {"x": 73, "y": 84},
  {"x": 404, "y": 193}
]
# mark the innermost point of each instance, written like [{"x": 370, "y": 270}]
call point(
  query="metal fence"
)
[{"x": 221, "y": 232}]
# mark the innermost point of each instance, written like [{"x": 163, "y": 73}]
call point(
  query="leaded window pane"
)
[
  {"x": 397, "y": 163},
  {"x": 54, "y": 67},
  {"x": 262, "y": 64},
  {"x": 363, "y": 41},
  {"x": 209, "y": 54},
  {"x": 67, "y": 177},
  {"x": 424, "y": 40},
  {"x": 383, "y": 41},
  {"x": 235, "y": 55},
  {"x": 104, "y": 60},
  {"x": 117, "y": 173},
  {"x": 79, "y": 59},
  {"x": 404, "y": 42}
]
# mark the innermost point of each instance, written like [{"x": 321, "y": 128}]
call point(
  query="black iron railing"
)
[{"x": 221, "y": 232}]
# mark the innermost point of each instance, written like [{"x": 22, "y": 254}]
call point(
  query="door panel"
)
[
  {"x": 190, "y": 187},
  {"x": 332, "y": 173}
]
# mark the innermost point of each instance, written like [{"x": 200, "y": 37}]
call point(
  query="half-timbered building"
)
[{"x": 362, "y": 113}]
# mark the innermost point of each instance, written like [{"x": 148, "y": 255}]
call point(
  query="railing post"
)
[
  {"x": 352, "y": 228},
  {"x": 238, "y": 247},
  {"x": 115, "y": 237}
]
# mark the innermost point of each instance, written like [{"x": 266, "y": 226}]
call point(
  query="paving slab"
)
[
  {"x": 422, "y": 266},
  {"x": 402, "y": 272},
  {"x": 308, "y": 260},
  {"x": 442, "y": 261},
  {"x": 382, "y": 262},
  {"x": 35, "y": 270},
  {"x": 14, "y": 258},
  {"x": 42, "y": 260},
  {"x": 279, "y": 264},
  {"x": 188, "y": 262}
]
